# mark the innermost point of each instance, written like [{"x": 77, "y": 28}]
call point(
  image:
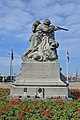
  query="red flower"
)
[
  {"x": 15, "y": 102},
  {"x": 47, "y": 110},
  {"x": 19, "y": 105},
  {"x": 78, "y": 111},
  {"x": 37, "y": 105},
  {"x": 46, "y": 115},
  {"x": 20, "y": 116},
  {"x": 24, "y": 108},
  {"x": 13, "y": 99},
  {"x": 59, "y": 101},
  {"x": 11, "y": 102},
  {"x": 36, "y": 100},
  {"x": 78, "y": 99},
  {"x": 4, "y": 111},
  {"x": 8, "y": 106},
  {"x": 30, "y": 109}
]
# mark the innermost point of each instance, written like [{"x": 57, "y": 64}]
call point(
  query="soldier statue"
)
[{"x": 43, "y": 46}]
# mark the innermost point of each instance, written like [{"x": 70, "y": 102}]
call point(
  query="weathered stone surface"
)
[
  {"x": 40, "y": 70},
  {"x": 35, "y": 75},
  {"x": 33, "y": 90}
]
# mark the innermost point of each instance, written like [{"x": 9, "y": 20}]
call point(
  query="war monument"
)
[{"x": 40, "y": 71}]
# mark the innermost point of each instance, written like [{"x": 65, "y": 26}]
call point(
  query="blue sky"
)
[{"x": 16, "y": 19}]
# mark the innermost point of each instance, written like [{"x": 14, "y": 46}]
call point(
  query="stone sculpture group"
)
[{"x": 42, "y": 42}]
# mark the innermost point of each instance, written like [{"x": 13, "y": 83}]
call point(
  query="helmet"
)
[
  {"x": 37, "y": 22},
  {"x": 47, "y": 22}
]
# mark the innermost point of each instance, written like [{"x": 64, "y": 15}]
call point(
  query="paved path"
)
[
  {"x": 74, "y": 85},
  {"x": 5, "y": 85}
]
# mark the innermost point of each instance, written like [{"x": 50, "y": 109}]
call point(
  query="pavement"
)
[
  {"x": 5, "y": 85},
  {"x": 74, "y": 85}
]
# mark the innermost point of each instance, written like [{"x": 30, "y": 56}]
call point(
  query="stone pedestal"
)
[{"x": 40, "y": 78}]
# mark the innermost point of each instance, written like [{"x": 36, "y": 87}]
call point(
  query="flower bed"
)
[
  {"x": 4, "y": 92},
  {"x": 76, "y": 92},
  {"x": 28, "y": 109}
]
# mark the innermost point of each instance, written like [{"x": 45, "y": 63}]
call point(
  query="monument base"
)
[
  {"x": 43, "y": 92},
  {"x": 42, "y": 79}
]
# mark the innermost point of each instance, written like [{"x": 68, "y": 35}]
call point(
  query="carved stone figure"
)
[
  {"x": 32, "y": 39},
  {"x": 43, "y": 45}
]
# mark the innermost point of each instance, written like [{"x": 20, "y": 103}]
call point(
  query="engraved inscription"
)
[{"x": 40, "y": 70}]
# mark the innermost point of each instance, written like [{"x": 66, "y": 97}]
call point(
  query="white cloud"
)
[
  {"x": 14, "y": 4},
  {"x": 15, "y": 19},
  {"x": 73, "y": 19},
  {"x": 22, "y": 36}
]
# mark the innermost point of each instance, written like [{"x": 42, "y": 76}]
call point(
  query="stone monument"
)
[{"x": 40, "y": 71}]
